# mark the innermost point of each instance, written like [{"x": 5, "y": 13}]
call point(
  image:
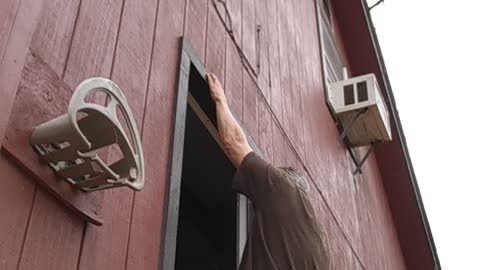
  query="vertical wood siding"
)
[{"x": 137, "y": 43}]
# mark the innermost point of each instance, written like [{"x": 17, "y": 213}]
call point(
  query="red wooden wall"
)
[{"x": 136, "y": 43}]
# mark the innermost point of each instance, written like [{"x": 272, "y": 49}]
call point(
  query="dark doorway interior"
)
[{"x": 207, "y": 221}]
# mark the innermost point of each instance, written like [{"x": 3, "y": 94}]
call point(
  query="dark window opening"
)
[
  {"x": 348, "y": 96},
  {"x": 205, "y": 220},
  {"x": 362, "y": 91},
  {"x": 206, "y": 236}
]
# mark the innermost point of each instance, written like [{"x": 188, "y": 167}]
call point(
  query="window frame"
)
[{"x": 189, "y": 61}]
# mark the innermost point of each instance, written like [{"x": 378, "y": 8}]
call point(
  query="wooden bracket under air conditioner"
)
[{"x": 343, "y": 138}]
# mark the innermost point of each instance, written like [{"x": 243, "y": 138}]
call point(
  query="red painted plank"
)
[
  {"x": 290, "y": 156},
  {"x": 298, "y": 94},
  {"x": 306, "y": 59},
  {"x": 42, "y": 96},
  {"x": 215, "y": 44},
  {"x": 52, "y": 37},
  {"x": 93, "y": 44},
  {"x": 274, "y": 60},
  {"x": 285, "y": 79},
  {"x": 340, "y": 253},
  {"x": 15, "y": 207},
  {"x": 147, "y": 219},
  {"x": 17, "y": 23},
  {"x": 279, "y": 150},
  {"x": 293, "y": 114},
  {"x": 261, "y": 21},
  {"x": 91, "y": 54},
  {"x": 54, "y": 236},
  {"x": 14, "y": 56},
  {"x": 379, "y": 227},
  {"x": 133, "y": 53},
  {"x": 8, "y": 12},
  {"x": 235, "y": 11},
  {"x": 314, "y": 96},
  {"x": 250, "y": 117},
  {"x": 248, "y": 32},
  {"x": 234, "y": 80},
  {"x": 196, "y": 25},
  {"x": 265, "y": 142},
  {"x": 28, "y": 253}
]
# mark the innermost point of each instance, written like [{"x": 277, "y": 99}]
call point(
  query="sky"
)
[{"x": 432, "y": 53}]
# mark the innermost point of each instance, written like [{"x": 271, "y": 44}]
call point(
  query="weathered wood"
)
[
  {"x": 147, "y": 228},
  {"x": 93, "y": 45},
  {"x": 130, "y": 71},
  {"x": 14, "y": 56},
  {"x": 274, "y": 60},
  {"x": 42, "y": 96},
  {"x": 32, "y": 254},
  {"x": 279, "y": 151},
  {"x": 298, "y": 94},
  {"x": 250, "y": 116},
  {"x": 235, "y": 9},
  {"x": 90, "y": 54},
  {"x": 290, "y": 157},
  {"x": 312, "y": 99},
  {"x": 8, "y": 12},
  {"x": 339, "y": 252},
  {"x": 196, "y": 25},
  {"x": 291, "y": 96},
  {"x": 16, "y": 204},
  {"x": 54, "y": 236},
  {"x": 262, "y": 47},
  {"x": 265, "y": 142},
  {"x": 234, "y": 80},
  {"x": 285, "y": 80},
  {"x": 307, "y": 82},
  {"x": 53, "y": 35},
  {"x": 248, "y": 32},
  {"x": 17, "y": 23},
  {"x": 215, "y": 43}
]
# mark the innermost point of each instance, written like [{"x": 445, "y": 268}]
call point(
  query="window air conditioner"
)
[{"x": 358, "y": 104}]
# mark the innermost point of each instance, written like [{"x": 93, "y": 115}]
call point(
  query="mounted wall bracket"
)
[
  {"x": 70, "y": 143},
  {"x": 343, "y": 138},
  {"x": 364, "y": 158}
]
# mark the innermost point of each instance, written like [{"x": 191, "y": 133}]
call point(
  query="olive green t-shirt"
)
[{"x": 285, "y": 233}]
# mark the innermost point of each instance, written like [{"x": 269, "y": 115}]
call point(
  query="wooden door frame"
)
[{"x": 189, "y": 61}]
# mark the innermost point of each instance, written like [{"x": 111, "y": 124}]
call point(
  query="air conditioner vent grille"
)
[
  {"x": 349, "y": 97},
  {"x": 362, "y": 91}
]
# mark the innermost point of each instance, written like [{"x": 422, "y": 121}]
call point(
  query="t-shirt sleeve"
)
[{"x": 252, "y": 177}]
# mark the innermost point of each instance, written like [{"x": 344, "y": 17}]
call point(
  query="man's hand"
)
[{"x": 216, "y": 91}]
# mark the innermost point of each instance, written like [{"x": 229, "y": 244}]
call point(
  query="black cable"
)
[
  {"x": 228, "y": 26},
  {"x": 376, "y": 4}
]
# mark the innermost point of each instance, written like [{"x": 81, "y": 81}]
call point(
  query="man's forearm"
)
[{"x": 231, "y": 134}]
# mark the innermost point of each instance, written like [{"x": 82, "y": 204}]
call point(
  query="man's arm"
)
[{"x": 232, "y": 135}]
